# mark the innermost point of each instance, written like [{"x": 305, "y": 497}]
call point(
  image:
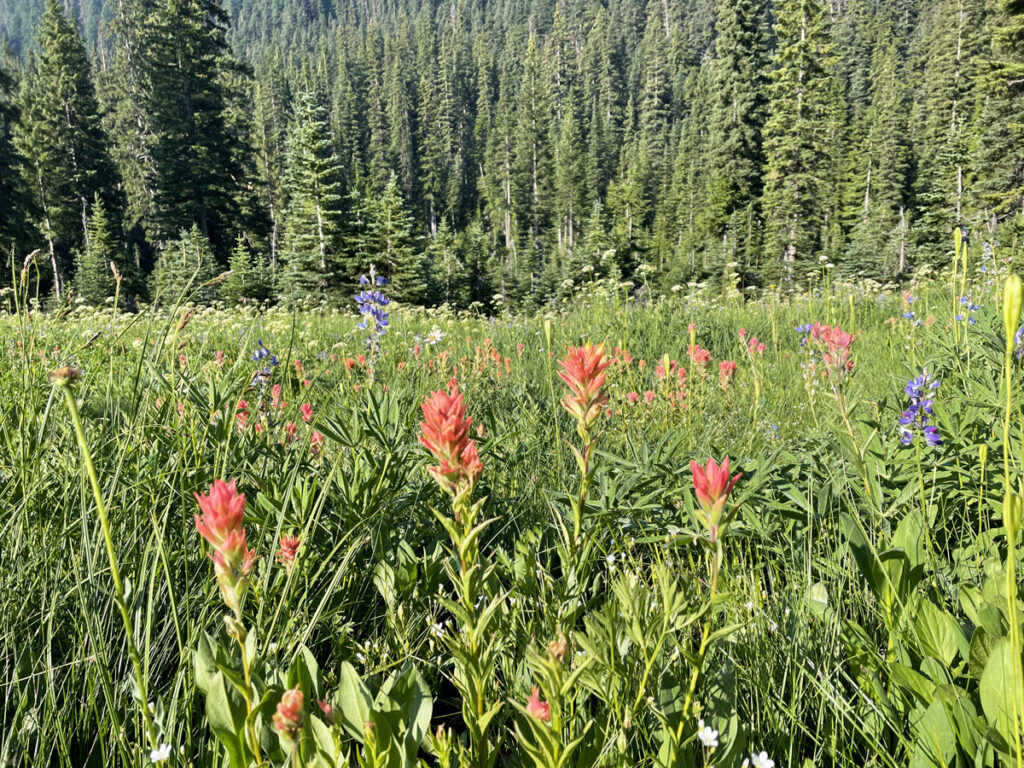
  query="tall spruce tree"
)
[
  {"x": 736, "y": 158},
  {"x": 1001, "y": 154},
  {"x": 197, "y": 175},
  {"x": 796, "y": 139},
  {"x": 313, "y": 212},
  {"x": 62, "y": 133},
  {"x": 390, "y": 242},
  {"x": 15, "y": 214}
]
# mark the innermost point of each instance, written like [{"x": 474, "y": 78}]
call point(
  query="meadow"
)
[{"x": 566, "y": 580}]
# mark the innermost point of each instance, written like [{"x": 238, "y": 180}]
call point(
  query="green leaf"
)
[
  {"x": 937, "y": 632},
  {"x": 996, "y": 690},
  {"x": 225, "y": 712}
]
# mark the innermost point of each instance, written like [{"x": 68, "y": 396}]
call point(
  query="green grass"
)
[{"x": 794, "y": 670}]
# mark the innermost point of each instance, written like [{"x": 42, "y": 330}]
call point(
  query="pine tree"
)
[
  {"x": 796, "y": 139},
  {"x": 15, "y": 214},
  {"x": 948, "y": 69},
  {"x": 63, "y": 136},
  {"x": 531, "y": 169},
  {"x": 94, "y": 279},
  {"x": 736, "y": 158},
  {"x": 184, "y": 270},
  {"x": 248, "y": 281},
  {"x": 197, "y": 177},
  {"x": 1001, "y": 155},
  {"x": 313, "y": 213},
  {"x": 125, "y": 91},
  {"x": 391, "y": 244},
  {"x": 449, "y": 278},
  {"x": 878, "y": 246}
]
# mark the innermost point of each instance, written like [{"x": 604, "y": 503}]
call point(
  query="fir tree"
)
[
  {"x": 197, "y": 177},
  {"x": 94, "y": 278},
  {"x": 63, "y": 136},
  {"x": 312, "y": 216},
  {"x": 391, "y": 243},
  {"x": 1001, "y": 155},
  {"x": 796, "y": 139},
  {"x": 15, "y": 215},
  {"x": 184, "y": 270}
]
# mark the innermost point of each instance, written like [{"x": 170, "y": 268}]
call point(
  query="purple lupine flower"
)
[{"x": 916, "y": 419}]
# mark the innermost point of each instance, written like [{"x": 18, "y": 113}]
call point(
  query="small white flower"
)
[
  {"x": 161, "y": 753},
  {"x": 708, "y": 736},
  {"x": 762, "y": 761},
  {"x": 749, "y": 605},
  {"x": 434, "y": 336}
]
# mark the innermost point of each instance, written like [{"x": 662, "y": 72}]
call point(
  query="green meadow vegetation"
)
[{"x": 552, "y": 584}]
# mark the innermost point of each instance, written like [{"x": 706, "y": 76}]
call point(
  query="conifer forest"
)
[{"x": 502, "y": 152}]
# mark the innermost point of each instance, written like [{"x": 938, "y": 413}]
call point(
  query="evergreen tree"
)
[
  {"x": 390, "y": 243},
  {"x": 184, "y": 269},
  {"x": 197, "y": 176},
  {"x": 312, "y": 216},
  {"x": 736, "y": 160},
  {"x": 1001, "y": 156},
  {"x": 15, "y": 215},
  {"x": 247, "y": 281},
  {"x": 94, "y": 278},
  {"x": 796, "y": 139},
  {"x": 63, "y": 136},
  {"x": 946, "y": 105}
]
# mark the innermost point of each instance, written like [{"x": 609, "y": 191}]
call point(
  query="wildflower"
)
[
  {"x": 583, "y": 372},
  {"x": 537, "y": 708},
  {"x": 307, "y": 411},
  {"x": 445, "y": 433},
  {"x": 699, "y": 356},
  {"x": 316, "y": 441},
  {"x": 327, "y": 710},
  {"x": 289, "y": 548},
  {"x": 835, "y": 344},
  {"x": 632, "y": 397},
  {"x": 221, "y": 525},
  {"x": 223, "y": 508},
  {"x": 262, "y": 353},
  {"x": 726, "y": 370},
  {"x": 160, "y": 754},
  {"x": 434, "y": 336},
  {"x": 708, "y": 736},
  {"x": 916, "y": 418},
  {"x": 713, "y": 486},
  {"x": 760, "y": 761},
  {"x": 371, "y": 306},
  {"x": 288, "y": 719},
  {"x": 649, "y": 396}
]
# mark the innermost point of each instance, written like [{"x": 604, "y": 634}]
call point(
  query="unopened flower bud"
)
[
  {"x": 1013, "y": 298},
  {"x": 559, "y": 647}
]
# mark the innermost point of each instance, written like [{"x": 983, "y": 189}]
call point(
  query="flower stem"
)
[{"x": 115, "y": 573}]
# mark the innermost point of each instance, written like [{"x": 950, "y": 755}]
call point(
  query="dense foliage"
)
[
  {"x": 503, "y": 152},
  {"x": 551, "y": 583}
]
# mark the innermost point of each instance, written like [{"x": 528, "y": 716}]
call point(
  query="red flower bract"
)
[
  {"x": 288, "y": 719},
  {"x": 583, "y": 373},
  {"x": 537, "y": 708},
  {"x": 223, "y": 508},
  {"x": 713, "y": 484},
  {"x": 445, "y": 433}
]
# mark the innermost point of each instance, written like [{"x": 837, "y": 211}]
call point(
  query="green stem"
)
[{"x": 115, "y": 573}]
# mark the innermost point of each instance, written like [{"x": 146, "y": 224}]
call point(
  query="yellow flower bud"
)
[{"x": 1013, "y": 297}]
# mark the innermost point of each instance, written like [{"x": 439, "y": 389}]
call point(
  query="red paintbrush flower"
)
[
  {"x": 583, "y": 373},
  {"x": 445, "y": 433},
  {"x": 537, "y": 708},
  {"x": 713, "y": 485},
  {"x": 223, "y": 508}
]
